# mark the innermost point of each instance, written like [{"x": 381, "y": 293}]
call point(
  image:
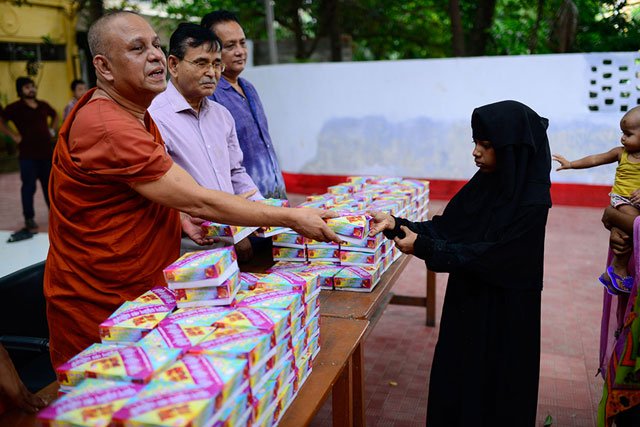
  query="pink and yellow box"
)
[
  {"x": 132, "y": 321},
  {"x": 199, "y": 316},
  {"x": 228, "y": 376},
  {"x": 285, "y": 397},
  {"x": 248, "y": 280},
  {"x": 289, "y": 254},
  {"x": 329, "y": 254},
  {"x": 371, "y": 244},
  {"x": 287, "y": 266},
  {"x": 132, "y": 364},
  {"x": 213, "y": 266},
  {"x": 72, "y": 372},
  {"x": 158, "y": 295},
  {"x": 158, "y": 405},
  {"x": 305, "y": 282},
  {"x": 288, "y": 240},
  {"x": 264, "y": 403},
  {"x": 275, "y": 322},
  {"x": 325, "y": 273},
  {"x": 359, "y": 258},
  {"x": 209, "y": 295},
  {"x": 303, "y": 370},
  {"x": 351, "y": 228},
  {"x": 92, "y": 403},
  {"x": 356, "y": 277},
  {"x": 276, "y": 299},
  {"x": 226, "y": 233},
  {"x": 251, "y": 345},
  {"x": 174, "y": 335}
]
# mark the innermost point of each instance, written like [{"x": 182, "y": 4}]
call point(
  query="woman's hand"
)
[
  {"x": 381, "y": 222},
  {"x": 405, "y": 245}
]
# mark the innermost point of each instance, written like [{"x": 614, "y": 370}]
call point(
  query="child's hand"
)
[
  {"x": 635, "y": 197},
  {"x": 406, "y": 244},
  {"x": 564, "y": 163},
  {"x": 381, "y": 222}
]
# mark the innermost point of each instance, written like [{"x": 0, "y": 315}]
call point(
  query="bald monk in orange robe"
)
[{"x": 118, "y": 202}]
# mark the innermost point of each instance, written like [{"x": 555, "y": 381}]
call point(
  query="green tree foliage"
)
[{"x": 404, "y": 29}]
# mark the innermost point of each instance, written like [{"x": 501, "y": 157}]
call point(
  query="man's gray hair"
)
[{"x": 97, "y": 32}]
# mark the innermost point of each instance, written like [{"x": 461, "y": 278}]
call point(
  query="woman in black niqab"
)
[{"x": 490, "y": 238}]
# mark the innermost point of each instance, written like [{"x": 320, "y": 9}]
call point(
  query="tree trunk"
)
[
  {"x": 564, "y": 27},
  {"x": 533, "y": 40},
  {"x": 457, "y": 34},
  {"x": 335, "y": 30},
  {"x": 482, "y": 22}
]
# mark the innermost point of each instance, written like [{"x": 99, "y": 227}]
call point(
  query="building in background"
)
[{"x": 38, "y": 39}]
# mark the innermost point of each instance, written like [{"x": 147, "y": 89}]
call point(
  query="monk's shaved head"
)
[{"x": 99, "y": 32}]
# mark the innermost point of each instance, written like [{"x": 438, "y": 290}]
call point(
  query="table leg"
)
[
  {"x": 342, "y": 398},
  {"x": 431, "y": 298},
  {"x": 357, "y": 360}
]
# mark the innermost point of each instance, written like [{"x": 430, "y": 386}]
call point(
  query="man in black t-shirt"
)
[{"x": 36, "y": 122}]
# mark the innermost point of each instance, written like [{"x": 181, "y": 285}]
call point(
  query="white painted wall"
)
[{"x": 412, "y": 117}]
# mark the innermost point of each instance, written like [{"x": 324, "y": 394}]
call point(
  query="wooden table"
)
[{"x": 335, "y": 368}]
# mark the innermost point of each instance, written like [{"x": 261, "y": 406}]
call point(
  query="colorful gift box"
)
[
  {"x": 305, "y": 282},
  {"x": 276, "y": 299},
  {"x": 289, "y": 254},
  {"x": 226, "y": 233},
  {"x": 180, "y": 405},
  {"x": 212, "y": 266},
  {"x": 248, "y": 280},
  {"x": 252, "y": 345},
  {"x": 222, "y": 294},
  {"x": 264, "y": 404},
  {"x": 158, "y": 295},
  {"x": 288, "y": 240},
  {"x": 132, "y": 321},
  {"x": 327, "y": 254},
  {"x": 92, "y": 403},
  {"x": 198, "y": 316},
  {"x": 174, "y": 335},
  {"x": 229, "y": 376},
  {"x": 352, "y": 228},
  {"x": 131, "y": 364},
  {"x": 72, "y": 372},
  {"x": 356, "y": 277},
  {"x": 359, "y": 258},
  {"x": 275, "y": 322},
  {"x": 371, "y": 244}
]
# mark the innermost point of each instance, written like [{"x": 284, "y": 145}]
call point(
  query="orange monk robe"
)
[{"x": 108, "y": 244}]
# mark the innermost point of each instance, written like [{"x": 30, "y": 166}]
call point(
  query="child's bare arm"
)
[{"x": 591, "y": 161}]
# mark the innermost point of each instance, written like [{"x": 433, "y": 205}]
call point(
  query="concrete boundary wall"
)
[{"x": 412, "y": 117}]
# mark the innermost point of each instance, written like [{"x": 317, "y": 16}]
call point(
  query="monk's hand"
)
[
  {"x": 620, "y": 242},
  {"x": 310, "y": 223},
  {"x": 12, "y": 388},
  {"x": 248, "y": 194},
  {"x": 381, "y": 221},
  {"x": 244, "y": 251},
  {"x": 192, "y": 227},
  {"x": 405, "y": 245}
]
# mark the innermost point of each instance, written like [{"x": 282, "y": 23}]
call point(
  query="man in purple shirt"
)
[
  {"x": 200, "y": 134},
  {"x": 242, "y": 100}
]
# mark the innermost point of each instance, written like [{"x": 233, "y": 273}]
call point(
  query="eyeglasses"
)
[{"x": 204, "y": 65}]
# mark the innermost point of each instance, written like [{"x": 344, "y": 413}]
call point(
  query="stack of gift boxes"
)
[
  {"x": 220, "y": 347},
  {"x": 358, "y": 263},
  {"x": 191, "y": 354}
]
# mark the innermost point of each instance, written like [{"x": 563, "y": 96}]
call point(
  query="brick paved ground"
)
[{"x": 398, "y": 352}]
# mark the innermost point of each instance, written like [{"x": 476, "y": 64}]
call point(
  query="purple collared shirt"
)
[
  {"x": 204, "y": 144},
  {"x": 253, "y": 134}
]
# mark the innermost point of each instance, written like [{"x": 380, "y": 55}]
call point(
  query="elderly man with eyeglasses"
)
[{"x": 200, "y": 134}]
